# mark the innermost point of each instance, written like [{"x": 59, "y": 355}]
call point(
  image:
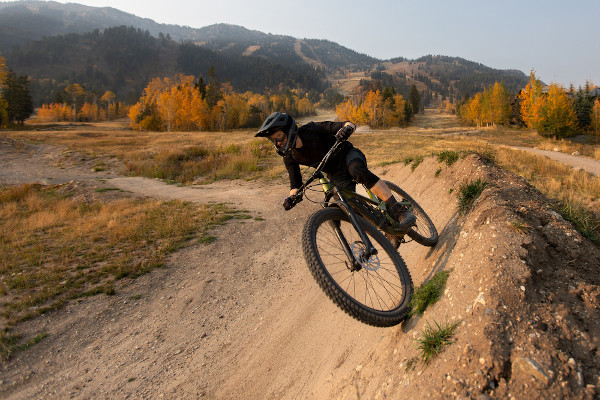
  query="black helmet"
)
[{"x": 283, "y": 122}]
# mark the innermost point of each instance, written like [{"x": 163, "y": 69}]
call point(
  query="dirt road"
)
[
  {"x": 588, "y": 164},
  {"x": 243, "y": 318}
]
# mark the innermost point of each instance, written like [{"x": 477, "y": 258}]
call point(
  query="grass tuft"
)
[
  {"x": 428, "y": 293},
  {"x": 416, "y": 162},
  {"x": 10, "y": 343},
  {"x": 469, "y": 192},
  {"x": 449, "y": 157},
  {"x": 520, "y": 226},
  {"x": 584, "y": 220},
  {"x": 434, "y": 340}
]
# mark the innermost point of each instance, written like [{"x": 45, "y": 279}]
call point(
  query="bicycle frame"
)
[{"x": 381, "y": 220}]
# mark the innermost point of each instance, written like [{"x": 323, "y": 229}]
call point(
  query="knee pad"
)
[{"x": 359, "y": 171}]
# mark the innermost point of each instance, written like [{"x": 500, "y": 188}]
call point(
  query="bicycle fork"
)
[{"x": 369, "y": 249}]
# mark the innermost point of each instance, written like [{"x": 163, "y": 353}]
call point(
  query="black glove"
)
[
  {"x": 291, "y": 201},
  {"x": 344, "y": 133}
]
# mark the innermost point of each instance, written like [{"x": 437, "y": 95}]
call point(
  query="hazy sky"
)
[{"x": 560, "y": 39}]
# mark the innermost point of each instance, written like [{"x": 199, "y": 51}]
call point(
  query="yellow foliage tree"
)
[
  {"x": 374, "y": 110},
  {"x": 89, "y": 112},
  {"x": 75, "y": 91},
  {"x": 557, "y": 117},
  {"x": 490, "y": 107},
  {"x": 177, "y": 103},
  {"x": 532, "y": 101},
  {"x": 107, "y": 98},
  {"x": 54, "y": 112}
]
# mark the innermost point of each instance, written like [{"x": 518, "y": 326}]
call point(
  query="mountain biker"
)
[{"x": 308, "y": 144}]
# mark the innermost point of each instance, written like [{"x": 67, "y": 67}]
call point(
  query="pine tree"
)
[
  {"x": 582, "y": 103},
  {"x": 19, "y": 105},
  {"x": 414, "y": 98}
]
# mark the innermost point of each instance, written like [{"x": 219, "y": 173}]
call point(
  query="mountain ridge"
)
[{"x": 302, "y": 61}]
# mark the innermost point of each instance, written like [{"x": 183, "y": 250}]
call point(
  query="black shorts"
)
[{"x": 354, "y": 170}]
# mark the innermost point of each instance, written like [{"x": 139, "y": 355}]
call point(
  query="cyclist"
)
[{"x": 308, "y": 144}]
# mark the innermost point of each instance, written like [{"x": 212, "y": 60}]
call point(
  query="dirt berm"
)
[{"x": 242, "y": 318}]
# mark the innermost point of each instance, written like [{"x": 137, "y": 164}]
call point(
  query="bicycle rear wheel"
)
[
  {"x": 424, "y": 232},
  {"x": 374, "y": 291}
]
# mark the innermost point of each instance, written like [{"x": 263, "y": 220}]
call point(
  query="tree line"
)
[
  {"x": 380, "y": 109},
  {"x": 78, "y": 104},
  {"x": 551, "y": 110},
  {"x": 187, "y": 103}
]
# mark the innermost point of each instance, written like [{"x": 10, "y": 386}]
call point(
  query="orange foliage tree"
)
[
  {"x": 90, "y": 110},
  {"x": 179, "y": 103}
]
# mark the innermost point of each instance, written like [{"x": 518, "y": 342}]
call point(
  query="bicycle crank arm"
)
[{"x": 370, "y": 250}]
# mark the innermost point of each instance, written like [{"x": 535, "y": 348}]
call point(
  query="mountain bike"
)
[{"x": 347, "y": 247}]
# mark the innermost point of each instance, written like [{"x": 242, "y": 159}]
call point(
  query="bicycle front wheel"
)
[
  {"x": 424, "y": 232},
  {"x": 375, "y": 291}
]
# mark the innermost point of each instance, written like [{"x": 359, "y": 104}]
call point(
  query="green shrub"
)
[{"x": 469, "y": 192}]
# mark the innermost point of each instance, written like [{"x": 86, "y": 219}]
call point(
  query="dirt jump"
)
[{"x": 242, "y": 317}]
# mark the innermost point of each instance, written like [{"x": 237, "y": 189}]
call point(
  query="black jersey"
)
[{"x": 317, "y": 138}]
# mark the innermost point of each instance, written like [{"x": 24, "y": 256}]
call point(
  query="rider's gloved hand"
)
[
  {"x": 344, "y": 133},
  {"x": 290, "y": 202}
]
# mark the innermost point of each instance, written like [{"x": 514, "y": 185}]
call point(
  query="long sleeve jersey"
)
[{"x": 317, "y": 138}]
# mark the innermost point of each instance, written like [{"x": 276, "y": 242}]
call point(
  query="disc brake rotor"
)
[{"x": 358, "y": 249}]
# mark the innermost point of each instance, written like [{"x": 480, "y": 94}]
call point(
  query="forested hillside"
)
[
  {"x": 464, "y": 78},
  {"x": 124, "y": 59},
  {"x": 22, "y": 21},
  {"x": 107, "y": 49}
]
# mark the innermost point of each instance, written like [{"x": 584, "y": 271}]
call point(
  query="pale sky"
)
[{"x": 560, "y": 39}]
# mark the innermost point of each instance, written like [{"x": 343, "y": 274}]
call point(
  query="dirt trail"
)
[
  {"x": 590, "y": 165},
  {"x": 243, "y": 318}
]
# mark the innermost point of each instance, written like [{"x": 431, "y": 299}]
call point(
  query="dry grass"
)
[
  {"x": 209, "y": 156},
  {"x": 183, "y": 157},
  {"x": 56, "y": 248}
]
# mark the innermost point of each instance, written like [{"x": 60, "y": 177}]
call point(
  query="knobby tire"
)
[
  {"x": 377, "y": 295},
  {"x": 424, "y": 232}
]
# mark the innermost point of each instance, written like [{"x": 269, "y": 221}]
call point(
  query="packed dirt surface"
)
[{"x": 243, "y": 318}]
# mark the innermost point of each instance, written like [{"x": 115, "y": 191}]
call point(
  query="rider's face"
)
[{"x": 278, "y": 138}]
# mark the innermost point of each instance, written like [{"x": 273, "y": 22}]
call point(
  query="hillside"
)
[
  {"x": 22, "y": 21},
  {"x": 58, "y": 43},
  {"x": 125, "y": 59}
]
